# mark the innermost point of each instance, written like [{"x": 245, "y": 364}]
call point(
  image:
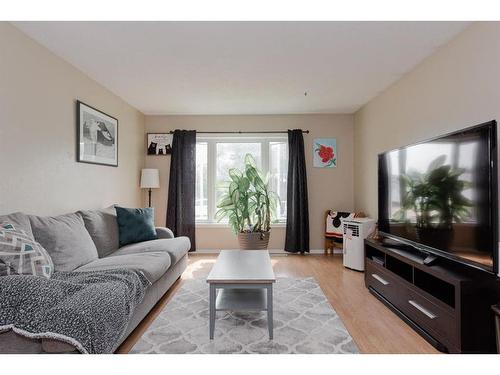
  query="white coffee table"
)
[{"x": 242, "y": 280}]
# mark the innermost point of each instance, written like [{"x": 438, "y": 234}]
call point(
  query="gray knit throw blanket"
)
[{"x": 89, "y": 310}]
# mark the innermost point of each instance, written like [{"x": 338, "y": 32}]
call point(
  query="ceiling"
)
[{"x": 244, "y": 67}]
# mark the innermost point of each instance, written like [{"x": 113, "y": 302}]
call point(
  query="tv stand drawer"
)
[
  {"x": 433, "y": 318},
  {"x": 382, "y": 281}
]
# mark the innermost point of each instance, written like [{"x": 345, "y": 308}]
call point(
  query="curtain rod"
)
[{"x": 248, "y": 132}]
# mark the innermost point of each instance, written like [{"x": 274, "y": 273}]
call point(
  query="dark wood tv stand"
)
[{"x": 449, "y": 304}]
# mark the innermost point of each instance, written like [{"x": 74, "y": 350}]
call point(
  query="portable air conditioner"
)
[{"x": 355, "y": 232}]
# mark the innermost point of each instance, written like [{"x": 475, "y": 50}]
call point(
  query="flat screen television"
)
[{"x": 440, "y": 196}]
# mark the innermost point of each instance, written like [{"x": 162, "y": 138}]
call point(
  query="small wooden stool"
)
[
  {"x": 331, "y": 245},
  {"x": 333, "y": 242}
]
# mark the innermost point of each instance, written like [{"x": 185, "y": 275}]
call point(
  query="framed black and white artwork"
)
[
  {"x": 159, "y": 143},
  {"x": 97, "y": 136}
]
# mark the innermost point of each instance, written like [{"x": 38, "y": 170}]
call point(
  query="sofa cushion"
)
[
  {"x": 57, "y": 346},
  {"x": 163, "y": 232},
  {"x": 135, "y": 224},
  {"x": 103, "y": 228},
  {"x": 20, "y": 254},
  {"x": 12, "y": 343},
  {"x": 153, "y": 264},
  {"x": 65, "y": 239},
  {"x": 19, "y": 220},
  {"x": 175, "y": 247},
  {"x": 6, "y": 270}
]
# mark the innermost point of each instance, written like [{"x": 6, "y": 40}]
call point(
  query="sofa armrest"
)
[{"x": 163, "y": 232}]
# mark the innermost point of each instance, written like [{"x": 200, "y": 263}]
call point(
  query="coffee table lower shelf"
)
[
  {"x": 241, "y": 297},
  {"x": 241, "y": 300}
]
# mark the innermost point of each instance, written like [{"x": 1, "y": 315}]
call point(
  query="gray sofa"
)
[{"x": 88, "y": 240}]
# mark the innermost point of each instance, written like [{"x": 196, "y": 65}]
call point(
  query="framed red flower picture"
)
[{"x": 325, "y": 152}]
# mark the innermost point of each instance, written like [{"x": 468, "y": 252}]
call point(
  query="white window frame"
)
[{"x": 212, "y": 140}]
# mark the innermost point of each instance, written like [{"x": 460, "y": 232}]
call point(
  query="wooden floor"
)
[{"x": 374, "y": 328}]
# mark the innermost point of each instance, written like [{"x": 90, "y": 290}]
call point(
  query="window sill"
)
[{"x": 223, "y": 225}]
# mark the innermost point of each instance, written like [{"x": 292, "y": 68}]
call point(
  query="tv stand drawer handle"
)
[
  {"x": 422, "y": 309},
  {"x": 378, "y": 278}
]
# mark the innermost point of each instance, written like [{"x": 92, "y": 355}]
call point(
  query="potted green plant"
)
[{"x": 249, "y": 206}]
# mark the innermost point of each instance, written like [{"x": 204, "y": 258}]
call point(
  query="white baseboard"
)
[{"x": 271, "y": 251}]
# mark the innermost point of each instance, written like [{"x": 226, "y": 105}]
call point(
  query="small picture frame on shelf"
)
[{"x": 159, "y": 143}]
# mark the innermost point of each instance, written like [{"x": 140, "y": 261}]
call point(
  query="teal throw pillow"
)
[{"x": 135, "y": 225}]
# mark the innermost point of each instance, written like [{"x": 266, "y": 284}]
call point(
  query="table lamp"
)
[{"x": 150, "y": 179}]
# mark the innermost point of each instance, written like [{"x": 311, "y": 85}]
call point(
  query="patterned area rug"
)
[{"x": 304, "y": 322}]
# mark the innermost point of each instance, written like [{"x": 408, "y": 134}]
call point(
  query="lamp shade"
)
[{"x": 150, "y": 178}]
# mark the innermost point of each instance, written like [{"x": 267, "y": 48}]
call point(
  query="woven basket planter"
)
[{"x": 253, "y": 241}]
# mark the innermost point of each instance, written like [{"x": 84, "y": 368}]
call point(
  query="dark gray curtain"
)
[
  {"x": 181, "y": 188},
  {"x": 297, "y": 217}
]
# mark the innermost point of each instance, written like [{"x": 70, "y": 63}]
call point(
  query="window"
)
[{"x": 216, "y": 155}]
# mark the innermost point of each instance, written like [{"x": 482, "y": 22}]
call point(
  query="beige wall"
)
[
  {"x": 328, "y": 188},
  {"x": 39, "y": 172},
  {"x": 457, "y": 87}
]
